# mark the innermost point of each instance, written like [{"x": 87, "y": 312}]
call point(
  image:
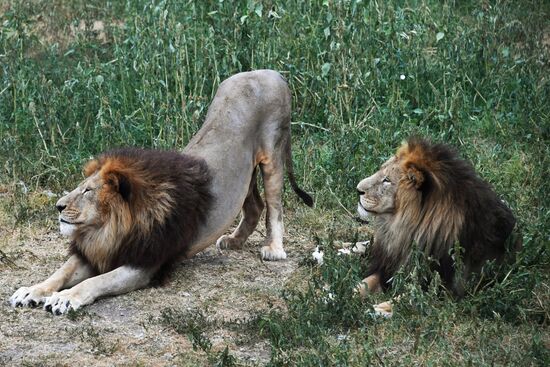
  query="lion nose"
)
[
  {"x": 360, "y": 192},
  {"x": 60, "y": 207}
]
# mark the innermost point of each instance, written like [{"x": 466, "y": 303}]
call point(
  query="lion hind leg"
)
[
  {"x": 370, "y": 284},
  {"x": 251, "y": 212},
  {"x": 272, "y": 173}
]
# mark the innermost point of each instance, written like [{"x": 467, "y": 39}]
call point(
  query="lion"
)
[
  {"x": 428, "y": 197},
  {"x": 139, "y": 210}
]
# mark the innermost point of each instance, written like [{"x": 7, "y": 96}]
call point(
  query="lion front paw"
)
[
  {"x": 228, "y": 242},
  {"x": 362, "y": 290},
  {"x": 62, "y": 302},
  {"x": 384, "y": 309},
  {"x": 273, "y": 254},
  {"x": 28, "y": 296}
]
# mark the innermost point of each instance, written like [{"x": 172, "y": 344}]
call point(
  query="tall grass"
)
[{"x": 364, "y": 75}]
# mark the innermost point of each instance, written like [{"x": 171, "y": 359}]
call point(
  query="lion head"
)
[
  {"x": 427, "y": 196},
  {"x": 79, "y": 208},
  {"x": 377, "y": 192},
  {"x": 136, "y": 207}
]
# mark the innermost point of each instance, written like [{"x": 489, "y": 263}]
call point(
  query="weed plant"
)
[
  {"x": 364, "y": 76},
  {"x": 326, "y": 323},
  {"x": 195, "y": 325}
]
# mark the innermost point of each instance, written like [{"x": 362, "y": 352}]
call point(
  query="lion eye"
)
[
  {"x": 386, "y": 179},
  {"x": 87, "y": 189}
]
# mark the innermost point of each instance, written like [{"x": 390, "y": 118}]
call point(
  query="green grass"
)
[{"x": 365, "y": 75}]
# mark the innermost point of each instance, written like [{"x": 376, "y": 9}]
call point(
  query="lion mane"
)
[
  {"x": 440, "y": 201},
  {"x": 151, "y": 205}
]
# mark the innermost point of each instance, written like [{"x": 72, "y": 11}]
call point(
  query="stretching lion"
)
[
  {"x": 427, "y": 196},
  {"x": 137, "y": 211}
]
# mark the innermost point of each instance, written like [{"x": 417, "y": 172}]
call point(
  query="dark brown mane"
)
[
  {"x": 152, "y": 204},
  {"x": 440, "y": 201}
]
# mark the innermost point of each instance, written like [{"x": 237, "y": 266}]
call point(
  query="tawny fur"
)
[
  {"x": 151, "y": 205},
  {"x": 438, "y": 201}
]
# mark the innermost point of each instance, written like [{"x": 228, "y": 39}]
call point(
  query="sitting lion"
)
[
  {"x": 138, "y": 211},
  {"x": 427, "y": 196}
]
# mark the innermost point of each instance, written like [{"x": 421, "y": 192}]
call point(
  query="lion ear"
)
[
  {"x": 415, "y": 176},
  {"x": 119, "y": 183},
  {"x": 91, "y": 167}
]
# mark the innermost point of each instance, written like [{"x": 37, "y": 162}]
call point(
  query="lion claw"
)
[
  {"x": 228, "y": 242},
  {"x": 27, "y": 297},
  {"x": 268, "y": 253},
  {"x": 62, "y": 302}
]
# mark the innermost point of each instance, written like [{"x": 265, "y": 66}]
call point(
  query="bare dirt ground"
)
[{"x": 127, "y": 330}]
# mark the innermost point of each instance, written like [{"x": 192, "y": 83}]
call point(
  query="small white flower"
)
[
  {"x": 318, "y": 255},
  {"x": 360, "y": 247},
  {"x": 402, "y": 77},
  {"x": 24, "y": 187},
  {"x": 344, "y": 251},
  {"x": 49, "y": 194}
]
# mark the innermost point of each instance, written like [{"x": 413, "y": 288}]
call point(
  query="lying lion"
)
[
  {"x": 138, "y": 211},
  {"x": 428, "y": 196}
]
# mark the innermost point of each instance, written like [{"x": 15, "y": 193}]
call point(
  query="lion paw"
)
[
  {"x": 362, "y": 290},
  {"x": 62, "y": 302},
  {"x": 384, "y": 309},
  {"x": 269, "y": 253},
  {"x": 28, "y": 297},
  {"x": 228, "y": 242}
]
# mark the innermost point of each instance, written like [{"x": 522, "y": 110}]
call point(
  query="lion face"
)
[
  {"x": 377, "y": 192},
  {"x": 79, "y": 208}
]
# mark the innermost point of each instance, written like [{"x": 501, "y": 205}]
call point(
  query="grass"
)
[
  {"x": 195, "y": 324},
  {"x": 365, "y": 75}
]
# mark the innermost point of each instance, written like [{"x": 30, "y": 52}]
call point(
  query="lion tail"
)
[{"x": 306, "y": 198}]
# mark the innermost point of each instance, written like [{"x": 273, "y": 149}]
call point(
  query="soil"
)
[{"x": 127, "y": 329}]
